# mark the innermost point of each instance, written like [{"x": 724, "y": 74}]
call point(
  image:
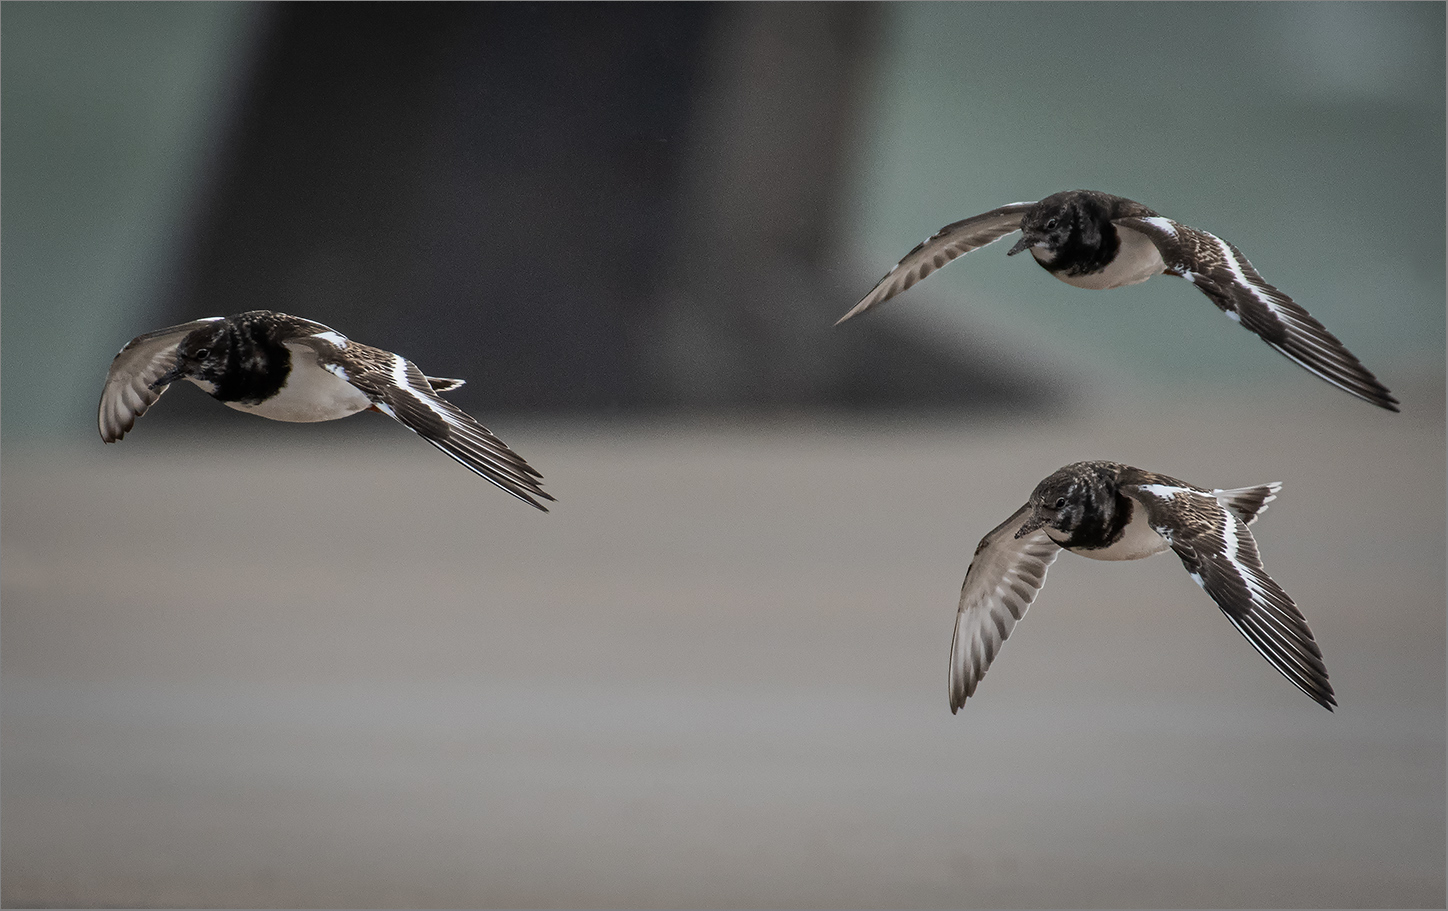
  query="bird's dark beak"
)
[
  {"x": 1025, "y": 243},
  {"x": 169, "y": 377},
  {"x": 1032, "y": 524}
]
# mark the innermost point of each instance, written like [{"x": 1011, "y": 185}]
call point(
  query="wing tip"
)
[
  {"x": 1365, "y": 387},
  {"x": 112, "y": 430},
  {"x": 958, "y": 693},
  {"x": 859, "y": 308},
  {"x": 525, "y": 493},
  {"x": 1324, "y": 696},
  {"x": 444, "y": 384}
]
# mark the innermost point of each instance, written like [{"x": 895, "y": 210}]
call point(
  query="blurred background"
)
[{"x": 248, "y": 663}]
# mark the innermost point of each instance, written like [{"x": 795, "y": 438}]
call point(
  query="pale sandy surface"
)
[{"x": 273, "y": 669}]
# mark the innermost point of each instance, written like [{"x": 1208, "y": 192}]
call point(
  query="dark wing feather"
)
[
  {"x": 128, "y": 393},
  {"x": 1003, "y": 580},
  {"x": 399, "y": 389},
  {"x": 443, "y": 384},
  {"x": 948, "y": 243},
  {"x": 1221, "y": 555},
  {"x": 1249, "y": 502},
  {"x": 1224, "y": 275}
]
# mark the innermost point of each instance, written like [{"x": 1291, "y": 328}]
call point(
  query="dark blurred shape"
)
[{"x": 577, "y": 207}]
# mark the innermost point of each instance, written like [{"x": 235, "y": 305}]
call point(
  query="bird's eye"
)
[
  {"x": 1050, "y": 224},
  {"x": 1060, "y": 502},
  {"x": 202, "y": 354}
]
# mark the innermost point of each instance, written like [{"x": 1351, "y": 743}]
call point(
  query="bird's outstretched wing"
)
[
  {"x": 128, "y": 393},
  {"x": 401, "y": 391},
  {"x": 1223, "y": 274},
  {"x": 949, "y": 242},
  {"x": 1003, "y": 580},
  {"x": 1221, "y": 556}
]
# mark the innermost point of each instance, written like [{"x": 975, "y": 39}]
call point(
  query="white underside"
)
[
  {"x": 311, "y": 394},
  {"x": 1138, "y": 541},
  {"x": 1136, "y": 261}
]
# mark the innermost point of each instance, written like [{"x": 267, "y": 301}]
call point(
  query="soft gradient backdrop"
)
[{"x": 254, "y": 664}]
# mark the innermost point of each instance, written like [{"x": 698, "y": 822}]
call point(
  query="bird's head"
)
[
  {"x": 201, "y": 357},
  {"x": 1055, "y": 222},
  {"x": 1071, "y": 500}
]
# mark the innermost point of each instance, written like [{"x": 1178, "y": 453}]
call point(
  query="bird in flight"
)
[
  {"x": 1098, "y": 241},
  {"x": 291, "y": 369},
  {"x": 1110, "y": 511}
]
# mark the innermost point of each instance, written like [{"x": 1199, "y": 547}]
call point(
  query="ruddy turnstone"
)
[
  {"x": 1109, "y": 511},
  {"x": 1099, "y": 241},
  {"x": 291, "y": 369}
]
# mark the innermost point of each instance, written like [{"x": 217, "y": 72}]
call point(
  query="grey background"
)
[
  {"x": 254, "y": 664},
  {"x": 611, "y": 210}
]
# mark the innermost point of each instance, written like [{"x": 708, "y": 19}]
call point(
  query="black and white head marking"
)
[
  {"x": 1071, "y": 233},
  {"x": 1079, "y": 506}
]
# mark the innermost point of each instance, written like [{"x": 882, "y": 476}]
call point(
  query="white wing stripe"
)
[
  {"x": 1229, "y": 259},
  {"x": 1162, "y": 491},
  {"x": 1165, "y": 225}
]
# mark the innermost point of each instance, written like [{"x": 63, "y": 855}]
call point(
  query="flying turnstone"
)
[
  {"x": 291, "y": 369},
  {"x": 1099, "y": 241},
  {"x": 1109, "y": 511}
]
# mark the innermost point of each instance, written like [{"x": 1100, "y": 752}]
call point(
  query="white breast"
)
[
  {"x": 1137, "y": 260},
  {"x": 1138, "y": 541},
  {"x": 311, "y": 393}
]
